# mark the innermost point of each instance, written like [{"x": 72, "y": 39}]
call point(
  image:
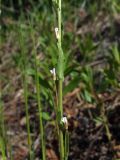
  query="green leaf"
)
[
  {"x": 70, "y": 69},
  {"x": 43, "y": 82},
  {"x": 116, "y": 54},
  {"x": 85, "y": 77},
  {"x": 30, "y": 71},
  {"x": 87, "y": 96},
  {"x": 98, "y": 121},
  {"x": 72, "y": 85},
  {"x": 46, "y": 116}
]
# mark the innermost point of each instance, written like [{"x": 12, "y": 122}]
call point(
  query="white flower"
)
[
  {"x": 53, "y": 72},
  {"x": 57, "y": 32},
  {"x": 65, "y": 122}
]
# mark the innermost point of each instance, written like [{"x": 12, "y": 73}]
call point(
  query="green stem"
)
[
  {"x": 25, "y": 87},
  {"x": 2, "y": 123},
  {"x": 60, "y": 79},
  {"x": 60, "y": 98},
  {"x": 59, "y": 22},
  {"x": 42, "y": 138},
  {"x": 40, "y": 114},
  {"x": 55, "y": 102},
  {"x": 27, "y": 113},
  {"x": 3, "y": 136},
  {"x": 61, "y": 141},
  {"x": 2, "y": 130}
]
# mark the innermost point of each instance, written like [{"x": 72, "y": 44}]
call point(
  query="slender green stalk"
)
[
  {"x": 61, "y": 142},
  {"x": 3, "y": 139},
  {"x": 2, "y": 136},
  {"x": 60, "y": 80},
  {"x": 42, "y": 138},
  {"x": 55, "y": 102},
  {"x": 59, "y": 22},
  {"x": 27, "y": 113},
  {"x": 25, "y": 87},
  {"x": 2, "y": 129}
]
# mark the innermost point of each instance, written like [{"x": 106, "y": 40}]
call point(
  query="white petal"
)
[{"x": 64, "y": 120}]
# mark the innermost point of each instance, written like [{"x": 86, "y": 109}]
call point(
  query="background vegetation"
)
[{"x": 28, "y": 51}]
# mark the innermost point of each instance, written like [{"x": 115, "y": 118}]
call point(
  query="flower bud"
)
[
  {"x": 64, "y": 122},
  {"x": 57, "y": 32},
  {"x": 53, "y": 72}
]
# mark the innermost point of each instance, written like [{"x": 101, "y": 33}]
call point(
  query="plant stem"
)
[
  {"x": 2, "y": 130},
  {"x": 59, "y": 22},
  {"x": 55, "y": 101},
  {"x": 40, "y": 114},
  {"x": 60, "y": 83},
  {"x": 42, "y": 138},
  {"x": 27, "y": 113},
  {"x": 2, "y": 123},
  {"x": 61, "y": 142},
  {"x": 25, "y": 87}
]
